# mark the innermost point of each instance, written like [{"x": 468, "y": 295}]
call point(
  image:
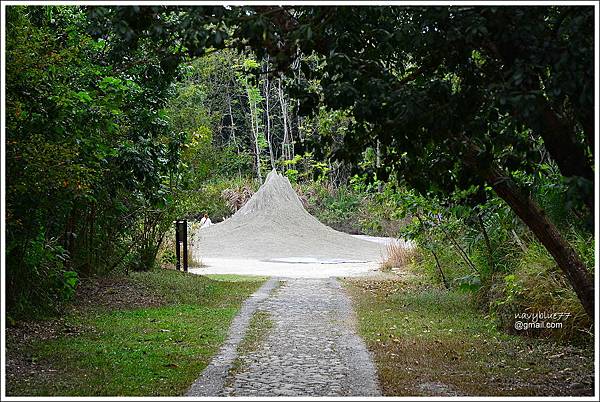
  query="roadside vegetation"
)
[
  {"x": 428, "y": 341},
  {"x": 151, "y": 333},
  {"x": 467, "y": 130}
]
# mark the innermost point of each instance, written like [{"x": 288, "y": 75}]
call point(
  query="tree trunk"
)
[
  {"x": 257, "y": 150},
  {"x": 518, "y": 240},
  {"x": 568, "y": 154},
  {"x": 285, "y": 146},
  {"x": 439, "y": 267},
  {"x": 232, "y": 128},
  {"x": 254, "y": 128},
  {"x": 69, "y": 242},
  {"x": 564, "y": 148},
  {"x": 463, "y": 254},
  {"x": 267, "y": 90},
  {"x": 559, "y": 136},
  {"x": 540, "y": 225},
  {"x": 435, "y": 257},
  {"x": 547, "y": 233},
  {"x": 378, "y": 166},
  {"x": 290, "y": 121},
  {"x": 488, "y": 244},
  {"x": 587, "y": 122}
]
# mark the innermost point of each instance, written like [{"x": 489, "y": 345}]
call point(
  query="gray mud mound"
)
[{"x": 274, "y": 226}]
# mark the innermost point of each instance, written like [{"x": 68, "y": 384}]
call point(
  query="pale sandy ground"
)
[
  {"x": 284, "y": 270},
  {"x": 273, "y": 235},
  {"x": 293, "y": 267}
]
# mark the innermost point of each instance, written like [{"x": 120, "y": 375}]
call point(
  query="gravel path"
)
[
  {"x": 213, "y": 377},
  {"x": 311, "y": 350}
]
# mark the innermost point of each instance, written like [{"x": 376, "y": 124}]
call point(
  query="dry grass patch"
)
[
  {"x": 398, "y": 255},
  {"x": 427, "y": 341}
]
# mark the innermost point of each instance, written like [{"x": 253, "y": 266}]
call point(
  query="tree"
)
[
  {"x": 89, "y": 154},
  {"x": 457, "y": 100}
]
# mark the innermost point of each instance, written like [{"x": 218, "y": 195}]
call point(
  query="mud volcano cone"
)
[{"x": 274, "y": 226}]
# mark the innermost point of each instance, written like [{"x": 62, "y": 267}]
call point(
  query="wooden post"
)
[
  {"x": 177, "y": 240},
  {"x": 185, "y": 248},
  {"x": 181, "y": 237}
]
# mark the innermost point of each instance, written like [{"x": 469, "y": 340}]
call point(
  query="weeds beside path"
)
[
  {"x": 147, "y": 334},
  {"x": 429, "y": 341}
]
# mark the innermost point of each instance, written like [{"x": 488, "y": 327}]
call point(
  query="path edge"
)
[{"x": 212, "y": 379}]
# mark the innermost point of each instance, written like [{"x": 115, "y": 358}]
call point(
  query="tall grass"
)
[
  {"x": 398, "y": 255},
  {"x": 538, "y": 285}
]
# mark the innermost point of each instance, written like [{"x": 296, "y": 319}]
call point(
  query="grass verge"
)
[
  {"x": 236, "y": 278},
  {"x": 147, "y": 334},
  {"x": 258, "y": 329},
  {"x": 428, "y": 341}
]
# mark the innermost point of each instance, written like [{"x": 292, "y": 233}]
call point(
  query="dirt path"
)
[{"x": 310, "y": 347}]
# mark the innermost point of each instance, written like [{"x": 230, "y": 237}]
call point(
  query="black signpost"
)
[{"x": 181, "y": 237}]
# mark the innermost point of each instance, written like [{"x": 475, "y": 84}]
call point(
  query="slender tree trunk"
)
[
  {"x": 568, "y": 154},
  {"x": 461, "y": 252},
  {"x": 587, "y": 122},
  {"x": 269, "y": 141},
  {"x": 286, "y": 140},
  {"x": 290, "y": 130},
  {"x": 378, "y": 166},
  {"x": 299, "y": 122},
  {"x": 439, "y": 267},
  {"x": 519, "y": 241},
  {"x": 254, "y": 128},
  {"x": 488, "y": 244},
  {"x": 435, "y": 257},
  {"x": 232, "y": 126},
  {"x": 70, "y": 236},
  {"x": 257, "y": 150},
  {"x": 92, "y": 234}
]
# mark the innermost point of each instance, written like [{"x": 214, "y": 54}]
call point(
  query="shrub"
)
[
  {"x": 44, "y": 278},
  {"x": 353, "y": 208}
]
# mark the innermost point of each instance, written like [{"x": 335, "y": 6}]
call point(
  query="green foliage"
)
[
  {"x": 522, "y": 276},
  {"x": 208, "y": 198},
  {"x": 89, "y": 155},
  {"x": 69, "y": 285},
  {"x": 468, "y": 283},
  {"x": 115, "y": 127},
  {"x": 292, "y": 175},
  {"x": 457, "y": 100},
  {"x": 54, "y": 285},
  {"x": 353, "y": 208}
]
